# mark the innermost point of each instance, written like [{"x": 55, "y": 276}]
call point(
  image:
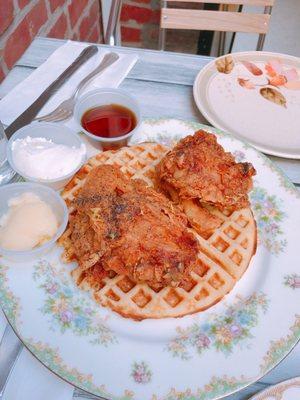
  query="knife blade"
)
[
  {"x": 28, "y": 115},
  {"x": 10, "y": 348}
]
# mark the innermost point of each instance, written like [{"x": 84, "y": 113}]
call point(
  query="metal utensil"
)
[
  {"x": 27, "y": 116},
  {"x": 112, "y": 34},
  {"x": 10, "y": 348},
  {"x": 65, "y": 109}
]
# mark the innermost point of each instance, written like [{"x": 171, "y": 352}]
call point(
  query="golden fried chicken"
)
[
  {"x": 198, "y": 172},
  {"x": 121, "y": 225}
]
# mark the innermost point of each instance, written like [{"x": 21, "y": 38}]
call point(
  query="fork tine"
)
[
  {"x": 54, "y": 112},
  {"x": 62, "y": 116},
  {"x": 52, "y": 116}
]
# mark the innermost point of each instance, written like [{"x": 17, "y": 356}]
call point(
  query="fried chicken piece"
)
[
  {"x": 200, "y": 218},
  {"x": 199, "y": 170},
  {"x": 121, "y": 225}
]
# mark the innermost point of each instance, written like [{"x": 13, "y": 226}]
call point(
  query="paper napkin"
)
[{"x": 24, "y": 94}]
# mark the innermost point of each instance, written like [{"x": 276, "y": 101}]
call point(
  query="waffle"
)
[{"x": 223, "y": 257}]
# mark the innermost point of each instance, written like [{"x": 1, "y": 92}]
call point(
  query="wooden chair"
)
[{"x": 222, "y": 20}]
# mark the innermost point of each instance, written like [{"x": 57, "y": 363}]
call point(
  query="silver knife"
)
[
  {"x": 27, "y": 116},
  {"x": 10, "y": 348}
]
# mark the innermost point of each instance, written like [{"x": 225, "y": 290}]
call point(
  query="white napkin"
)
[
  {"x": 31, "y": 380},
  {"x": 24, "y": 94}
]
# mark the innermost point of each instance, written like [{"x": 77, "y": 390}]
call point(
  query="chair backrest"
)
[{"x": 224, "y": 21}]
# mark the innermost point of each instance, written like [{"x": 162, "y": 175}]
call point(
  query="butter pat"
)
[{"x": 28, "y": 223}]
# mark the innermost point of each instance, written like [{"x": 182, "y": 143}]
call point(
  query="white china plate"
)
[
  {"x": 202, "y": 356},
  {"x": 287, "y": 390},
  {"x": 233, "y": 101}
]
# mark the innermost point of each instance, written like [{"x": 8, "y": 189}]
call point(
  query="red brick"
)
[
  {"x": 74, "y": 36},
  {"x": 88, "y": 22},
  {"x": 84, "y": 28},
  {"x": 101, "y": 40},
  {"x": 154, "y": 33},
  {"x": 56, "y": 3},
  {"x": 76, "y": 8},
  {"x": 59, "y": 29},
  {"x": 155, "y": 16},
  {"x": 139, "y": 14},
  {"x": 130, "y": 34},
  {"x": 95, "y": 8},
  {"x": 142, "y": 1},
  {"x": 37, "y": 17},
  {"x": 6, "y": 14},
  {"x": 17, "y": 43},
  {"x": 23, "y": 3},
  {"x": 94, "y": 36},
  {"x": 2, "y": 74}
]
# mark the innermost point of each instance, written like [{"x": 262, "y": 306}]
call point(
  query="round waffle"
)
[{"x": 223, "y": 258}]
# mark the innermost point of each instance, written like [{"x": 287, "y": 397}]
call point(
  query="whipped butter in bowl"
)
[
  {"x": 32, "y": 218},
  {"x": 18, "y": 232},
  {"x": 46, "y": 153}
]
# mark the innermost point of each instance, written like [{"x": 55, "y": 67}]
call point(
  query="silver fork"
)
[{"x": 65, "y": 109}]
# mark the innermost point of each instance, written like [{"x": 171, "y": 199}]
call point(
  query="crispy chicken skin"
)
[
  {"x": 199, "y": 168},
  {"x": 121, "y": 225},
  {"x": 198, "y": 172}
]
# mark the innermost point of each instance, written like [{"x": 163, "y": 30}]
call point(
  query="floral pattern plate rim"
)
[
  {"x": 255, "y": 96},
  {"x": 89, "y": 346},
  {"x": 286, "y": 390}
]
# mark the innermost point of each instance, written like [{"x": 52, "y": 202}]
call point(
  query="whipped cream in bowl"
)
[{"x": 46, "y": 153}]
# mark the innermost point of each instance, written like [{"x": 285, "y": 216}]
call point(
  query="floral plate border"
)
[{"x": 140, "y": 371}]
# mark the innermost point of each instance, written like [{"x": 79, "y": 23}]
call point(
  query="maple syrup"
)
[{"x": 109, "y": 121}]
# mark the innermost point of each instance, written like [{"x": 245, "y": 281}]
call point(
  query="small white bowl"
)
[
  {"x": 49, "y": 196},
  {"x": 58, "y": 134},
  {"x": 101, "y": 97}
]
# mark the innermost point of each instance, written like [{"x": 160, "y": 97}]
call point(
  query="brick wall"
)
[
  {"x": 140, "y": 23},
  {"x": 22, "y": 20},
  {"x": 140, "y": 26}
]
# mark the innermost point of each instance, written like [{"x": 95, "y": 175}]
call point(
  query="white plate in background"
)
[{"x": 229, "y": 95}]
